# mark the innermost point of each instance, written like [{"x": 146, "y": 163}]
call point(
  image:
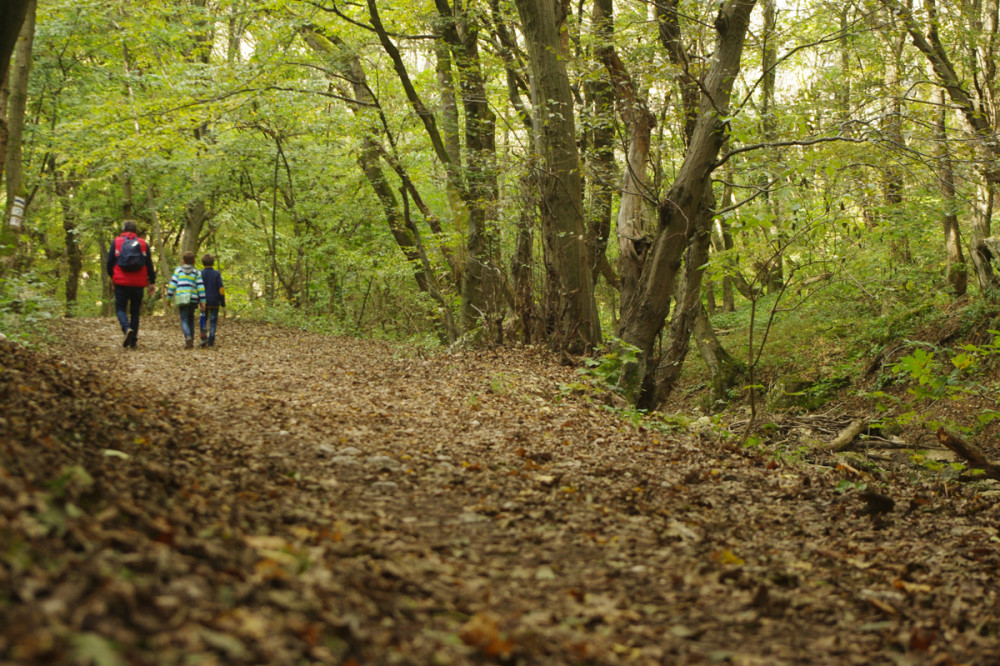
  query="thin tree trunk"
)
[
  {"x": 723, "y": 369},
  {"x": 955, "y": 273},
  {"x": 978, "y": 112},
  {"x": 481, "y": 288},
  {"x": 892, "y": 178},
  {"x": 74, "y": 254},
  {"x": 775, "y": 277},
  {"x": 403, "y": 229},
  {"x": 449, "y": 125},
  {"x": 16, "y": 110},
  {"x": 522, "y": 262},
  {"x": 722, "y": 241},
  {"x": 481, "y": 278},
  {"x": 600, "y": 94},
  {"x": 633, "y": 239}
]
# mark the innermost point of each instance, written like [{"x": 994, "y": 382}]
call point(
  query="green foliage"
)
[
  {"x": 932, "y": 379},
  {"x": 845, "y": 485},
  {"x": 25, "y": 308},
  {"x": 935, "y": 379},
  {"x": 611, "y": 360}
]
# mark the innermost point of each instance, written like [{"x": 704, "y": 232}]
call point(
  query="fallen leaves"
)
[
  {"x": 482, "y": 631},
  {"x": 330, "y": 501}
]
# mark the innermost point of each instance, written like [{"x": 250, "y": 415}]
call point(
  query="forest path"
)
[{"x": 288, "y": 496}]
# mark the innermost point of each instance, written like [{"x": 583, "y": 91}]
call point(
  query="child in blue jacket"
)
[{"x": 215, "y": 297}]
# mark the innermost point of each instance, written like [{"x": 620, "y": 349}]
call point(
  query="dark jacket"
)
[
  {"x": 122, "y": 278},
  {"x": 215, "y": 292}
]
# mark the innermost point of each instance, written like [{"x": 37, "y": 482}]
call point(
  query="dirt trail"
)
[{"x": 292, "y": 498}]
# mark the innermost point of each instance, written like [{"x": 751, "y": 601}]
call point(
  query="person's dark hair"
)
[
  {"x": 130, "y": 225},
  {"x": 188, "y": 257},
  {"x": 207, "y": 260}
]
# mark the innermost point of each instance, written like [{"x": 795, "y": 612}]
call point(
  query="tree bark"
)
[
  {"x": 687, "y": 306},
  {"x": 955, "y": 272},
  {"x": 12, "y": 17},
  {"x": 633, "y": 239},
  {"x": 481, "y": 279},
  {"x": 403, "y": 230},
  {"x": 892, "y": 178},
  {"x": 601, "y": 156},
  {"x": 683, "y": 208},
  {"x": 17, "y": 108},
  {"x": 569, "y": 289},
  {"x": 74, "y": 254},
  {"x": 723, "y": 369}
]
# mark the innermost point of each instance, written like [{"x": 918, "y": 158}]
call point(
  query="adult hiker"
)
[
  {"x": 187, "y": 292},
  {"x": 130, "y": 265}
]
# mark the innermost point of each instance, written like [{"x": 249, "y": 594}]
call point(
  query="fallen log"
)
[
  {"x": 846, "y": 436},
  {"x": 968, "y": 452}
]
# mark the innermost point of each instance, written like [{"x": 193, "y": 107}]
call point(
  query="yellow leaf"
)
[{"x": 727, "y": 556}]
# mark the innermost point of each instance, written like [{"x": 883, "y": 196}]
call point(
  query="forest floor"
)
[{"x": 290, "y": 498}]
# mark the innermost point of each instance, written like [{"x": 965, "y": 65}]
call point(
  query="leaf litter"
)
[{"x": 291, "y": 498}]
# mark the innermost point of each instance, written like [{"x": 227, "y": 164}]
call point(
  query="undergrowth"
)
[{"x": 25, "y": 309}]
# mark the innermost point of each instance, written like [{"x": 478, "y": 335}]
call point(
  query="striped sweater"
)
[{"x": 186, "y": 280}]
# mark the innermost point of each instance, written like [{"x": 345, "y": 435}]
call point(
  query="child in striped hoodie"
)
[{"x": 187, "y": 292}]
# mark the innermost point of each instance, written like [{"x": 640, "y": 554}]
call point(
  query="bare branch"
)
[{"x": 782, "y": 144}]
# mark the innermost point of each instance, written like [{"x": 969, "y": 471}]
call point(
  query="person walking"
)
[
  {"x": 215, "y": 297},
  {"x": 130, "y": 265},
  {"x": 187, "y": 292}
]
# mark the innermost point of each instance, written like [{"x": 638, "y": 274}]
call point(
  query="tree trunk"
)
[
  {"x": 482, "y": 278},
  {"x": 16, "y": 110},
  {"x": 982, "y": 257},
  {"x": 723, "y": 369},
  {"x": 74, "y": 254},
  {"x": 892, "y": 178},
  {"x": 569, "y": 289},
  {"x": 161, "y": 249},
  {"x": 600, "y": 98},
  {"x": 722, "y": 241},
  {"x": 775, "y": 270},
  {"x": 450, "y": 125},
  {"x": 955, "y": 273},
  {"x": 12, "y": 17},
  {"x": 633, "y": 239},
  {"x": 977, "y": 109},
  {"x": 401, "y": 226},
  {"x": 481, "y": 288},
  {"x": 195, "y": 216},
  {"x": 685, "y": 200},
  {"x": 687, "y": 305},
  {"x": 522, "y": 262}
]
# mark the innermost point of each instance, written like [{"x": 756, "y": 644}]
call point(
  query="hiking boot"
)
[
  {"x": 204, "y": 342},
  {"x": 188, "y": 343},
  {"x": 129, "y": 340}
]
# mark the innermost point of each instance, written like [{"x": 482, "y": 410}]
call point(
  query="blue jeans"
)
[
  {"x": 128, "y": 305},
  {"x": 213, "y": 321},
  {"x": 187, "y": 319}
]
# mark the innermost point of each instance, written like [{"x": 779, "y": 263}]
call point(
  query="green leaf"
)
[{"x": 95, "y": 649}]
